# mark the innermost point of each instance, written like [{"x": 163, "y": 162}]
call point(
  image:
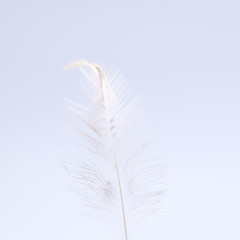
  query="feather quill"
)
[{"x": 111, "y": 179}]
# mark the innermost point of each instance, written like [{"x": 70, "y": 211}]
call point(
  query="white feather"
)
[{"x": 111, "y": 178}]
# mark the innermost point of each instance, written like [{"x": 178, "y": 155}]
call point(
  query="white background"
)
[{"x": 181, "y": 57}]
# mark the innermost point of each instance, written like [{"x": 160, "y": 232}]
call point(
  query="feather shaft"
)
[{"x": 121, "y": 195}]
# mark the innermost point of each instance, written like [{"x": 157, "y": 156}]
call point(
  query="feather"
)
[{"x": 113, "y": 176}]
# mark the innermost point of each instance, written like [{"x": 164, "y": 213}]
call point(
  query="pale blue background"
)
[{"x": 181, "y": 57}]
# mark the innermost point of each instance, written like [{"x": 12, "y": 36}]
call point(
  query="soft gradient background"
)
[{"x": 182, "y": 58}]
